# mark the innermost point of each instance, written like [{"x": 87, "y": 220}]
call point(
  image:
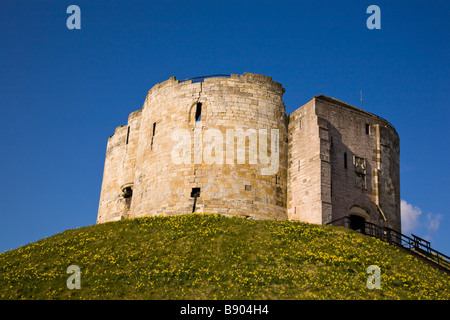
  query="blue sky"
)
[{"x": 63, "y": 92}]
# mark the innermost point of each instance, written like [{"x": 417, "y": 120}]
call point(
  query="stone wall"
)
[
  {"x": 304, "y": 189},
  {"x": 201, "y": 146},
  {"x": 342, "y": 160},
  {"x": 118, "y": 173},
  {"x": 229, "y": 186},
  {"x": 110, "y": 207}
]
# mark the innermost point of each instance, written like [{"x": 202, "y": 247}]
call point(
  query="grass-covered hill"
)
[{"x": 214, "y": 257}]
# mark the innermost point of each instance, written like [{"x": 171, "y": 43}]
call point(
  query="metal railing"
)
[
  {"x": 202, "y": 78},
  {"x": 391, "y": 236}
]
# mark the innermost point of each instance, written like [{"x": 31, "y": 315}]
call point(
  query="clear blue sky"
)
[{"x": 63, "y": 92}]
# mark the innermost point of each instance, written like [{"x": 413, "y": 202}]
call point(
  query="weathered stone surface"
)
[
  {"x": 321, "y": 187},
  {"x": 310, "y": 184}
]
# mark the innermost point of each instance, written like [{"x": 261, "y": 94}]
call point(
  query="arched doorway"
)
[
  {"x": 358, "y": 216},
  {"x": 357, "y": 223}
]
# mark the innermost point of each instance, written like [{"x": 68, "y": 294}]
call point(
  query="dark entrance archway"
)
[{"x": 357, "y": 223}]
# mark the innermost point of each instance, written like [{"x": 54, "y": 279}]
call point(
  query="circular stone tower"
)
[{"x": 218, "y": 145}]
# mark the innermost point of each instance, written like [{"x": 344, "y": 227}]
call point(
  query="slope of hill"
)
[{"x": 202, "y": 256}]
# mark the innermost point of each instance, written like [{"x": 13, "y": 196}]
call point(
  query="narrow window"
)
[
  {"x": 198, "y": 112},
  {"x": 195, "y": 193},
  {"x": 367, "y": 128},
  {"x": 345, "y": 160},
  {"x": 128, "y": 134},
  {"x": 127, "y": 192},
  {"x": 153, "y": 135}
]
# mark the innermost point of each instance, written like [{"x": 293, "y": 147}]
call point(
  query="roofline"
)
[{"x": 343, "y": 104}]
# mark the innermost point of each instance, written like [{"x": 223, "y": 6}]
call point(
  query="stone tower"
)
[
  {"x": 141, "y": 178},
  {"x": 226, "y": 145},
  {"x": 343, "y": 161}
]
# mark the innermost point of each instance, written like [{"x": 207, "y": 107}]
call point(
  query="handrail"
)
[
  {"x": 421, "y": 241},
  {"x": 394, "y": 237},
  {"x": 203, "y": 77}
]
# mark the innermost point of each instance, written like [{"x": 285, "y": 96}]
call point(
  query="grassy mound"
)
[{"x": 201, "y": 256}]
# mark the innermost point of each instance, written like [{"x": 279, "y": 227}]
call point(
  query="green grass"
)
[{"x": 214, "y": 257}]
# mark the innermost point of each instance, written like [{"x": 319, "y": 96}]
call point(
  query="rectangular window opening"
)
[
  {"x": 198, "y": 112},
  {"x": 128, "y": 134},
  {"x": 367, "y": 128},
  {"x": 127, "y": 192},
  {"x": 195, "y": 193},
  {"x": 345, "y": 160},
  {"x": 153, "y": 135}
]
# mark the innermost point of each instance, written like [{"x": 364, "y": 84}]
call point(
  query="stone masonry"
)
[{"x": 332, "y": 159}]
